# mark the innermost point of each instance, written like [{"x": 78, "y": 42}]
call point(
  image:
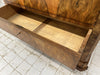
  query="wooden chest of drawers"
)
[{"x": 71, "y": 44}]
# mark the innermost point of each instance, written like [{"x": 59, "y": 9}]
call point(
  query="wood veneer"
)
[
  {"x": 82, "y": 13},
  {"x": 70, "y": 45},
  {"x": 58, "y": 40},
  {"x": 53, "y": 30}
]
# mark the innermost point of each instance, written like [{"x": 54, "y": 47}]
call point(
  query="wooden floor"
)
[{"x": 65, "y": 37}]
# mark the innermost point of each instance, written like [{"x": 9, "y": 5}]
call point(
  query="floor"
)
[{"x": 18, "y": 58}]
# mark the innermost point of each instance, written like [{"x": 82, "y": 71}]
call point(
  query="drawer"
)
[{"x": 60, "y": 41}]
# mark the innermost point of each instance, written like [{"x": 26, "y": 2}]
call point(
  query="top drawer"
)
[{"x": 82, "y": 13}]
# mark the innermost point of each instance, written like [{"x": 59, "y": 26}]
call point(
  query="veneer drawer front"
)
[
  {"x": 82, "y": 13},
  {"x": 60, "y": 41}
]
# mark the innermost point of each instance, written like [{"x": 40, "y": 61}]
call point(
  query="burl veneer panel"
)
[{"x": 82, "y": 13}]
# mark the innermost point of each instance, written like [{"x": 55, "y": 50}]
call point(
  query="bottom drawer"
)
[{"x": 60, "y": 41}]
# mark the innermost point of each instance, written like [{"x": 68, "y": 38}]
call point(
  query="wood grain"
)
[
  {"x": 81, "y": 13},
  {"x": 63, "y": 54},
  {"x": 66, "y": 37},
  {"x": 26, "y": 22},
  {"x": 50, "y": 48},
  {"x": 61, "y": 36},
  {"x": 90, "y": 46},
  {"x": 4, "y": 13},
  {"x": 56, "y": 50},
  {"x": 51, "y": 45}
]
